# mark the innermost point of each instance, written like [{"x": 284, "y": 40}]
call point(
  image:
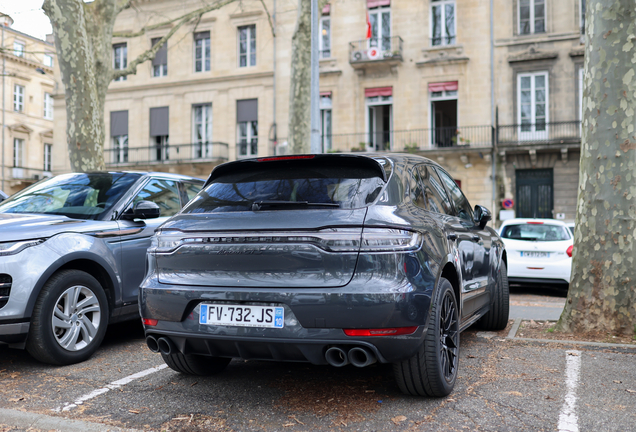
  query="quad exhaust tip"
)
[
  {"x": 151, "y": 342},
  {"x": 165, "y": 345},
  {"x": 336, "y": 357}
]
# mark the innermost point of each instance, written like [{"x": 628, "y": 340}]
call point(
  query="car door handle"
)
[
  {"x": 476, "y": 238},
  {"x": 452, "y": 236}
]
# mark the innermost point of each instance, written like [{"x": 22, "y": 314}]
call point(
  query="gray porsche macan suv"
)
[
  {"x": 73, "y": 253},
  {"x": 328, "y": 259}
]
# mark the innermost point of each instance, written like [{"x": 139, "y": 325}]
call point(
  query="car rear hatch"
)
[
  {"x": 537, "y": 242},
  {"x": 274, "y": 222}
]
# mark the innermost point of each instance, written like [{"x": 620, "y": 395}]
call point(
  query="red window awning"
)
[
  {"x": 377, "y": 3},
  {"x": 441, "y": 86},
  {"x": 325, "y": 93},
  {"x": 378, "y": 91},
  {"x": 327, "y": 9}
]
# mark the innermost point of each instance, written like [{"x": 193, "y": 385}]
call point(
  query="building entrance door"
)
[{"x": 535, "y": 193}]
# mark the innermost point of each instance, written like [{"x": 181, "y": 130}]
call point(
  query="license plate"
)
[
  {"x": 535, "y": 254},
  {"x": 242, "y": 315}
]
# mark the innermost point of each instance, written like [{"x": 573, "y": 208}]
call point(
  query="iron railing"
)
[
  {"x": 411, "y": 140},
  {"x": 376, "y": 49},
  {"x": 166, "y": 154},
  {"x": 539, "y": 133}
]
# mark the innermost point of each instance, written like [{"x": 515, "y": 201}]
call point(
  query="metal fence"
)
[
  {"x": 537, "y": 133},
  {"x": 165, "y": 154},
  {"x": 411, "y": 140}
]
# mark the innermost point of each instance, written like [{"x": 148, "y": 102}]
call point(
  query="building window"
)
[
  {"x": 48, "y": 151},
  {"x": 202, "y": 130},
  {"x": 325, "y": 37},
  {"x": 247, "y": 127},
  {"x": 202, "y": 51},
  {"x": 160, "y": 62},
  {"x": 325, "y": 121},
  {"x": 443, "y": 22},
  {"x": 19, "y": 48},
  {"x": 18, "y": 152},
  {"x": 532, "y": 104},
  {"x": 247, "y": 46},
  {"x": 48, "y": 60},
  {"x": 120, "y": 59},
  {"x": 119, "y": 136},
  {"x": 443, "y": 97},
  {"x": 582, "y": 6},
  {"x": 48, "y": 106},
  {"x": 380, "y": 20},
  {"x": 531, "y": 16},
  {"x": 159, "y": 132},
  {"x": 18, "y": 98}
]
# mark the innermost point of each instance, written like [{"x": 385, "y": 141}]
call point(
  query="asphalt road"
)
[{"x": 504, "y": 385}]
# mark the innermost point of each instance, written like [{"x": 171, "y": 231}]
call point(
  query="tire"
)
[
  {"x": 192, "y": 364},
  {"x": 497, "y": 317},
  {"x": 69, "y": 319},
  {"x": 432, "y": 371}
]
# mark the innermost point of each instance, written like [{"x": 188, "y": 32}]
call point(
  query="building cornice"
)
[
  {"x": 191, "y": 82},
  {"x": 532, "y": 54},
  {"x": 26, "y": 62},
  {"x": 525, "y": 40},
  {"x": 248, "y": 14}
]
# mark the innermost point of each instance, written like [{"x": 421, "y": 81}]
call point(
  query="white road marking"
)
[
  {"x": 568, "y": 421},
  {"x": 109, "y": 387}
]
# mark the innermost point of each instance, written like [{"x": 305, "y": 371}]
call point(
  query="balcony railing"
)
[
  {"x": 376, "y": 50},
  {"x": 539, "y": 133},
  {"x": 412, "y": 140},
  {"x": 166, "y": 154}
]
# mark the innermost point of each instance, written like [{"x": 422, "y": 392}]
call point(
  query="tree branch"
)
[
  {"x": 150, "y": 53},
  {"x": 269, "y": 18}
]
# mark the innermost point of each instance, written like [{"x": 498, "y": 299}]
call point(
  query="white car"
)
[{"x": 539, "y": 251}]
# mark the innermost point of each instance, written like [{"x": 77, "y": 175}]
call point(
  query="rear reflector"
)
[
  {"x": 535, "y": 268},
  {"x": 569, "y": 251},
  {"x": 284, "y": 158},
  {"x": 149, "y": 321},
  {"x": 381, "y": 332},
  {"x": 535, "y": 223}
]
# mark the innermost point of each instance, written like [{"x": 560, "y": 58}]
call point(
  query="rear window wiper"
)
[{"x": 258, "y": 205}]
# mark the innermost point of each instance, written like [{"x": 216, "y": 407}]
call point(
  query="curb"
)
[
  {"x": 29, "y": 421},
  {"x": 515, "y": 328}
]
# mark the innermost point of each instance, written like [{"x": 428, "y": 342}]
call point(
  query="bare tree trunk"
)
[
  {"x": 83, "y": 33},
  {"x": 300, "y": 82},
  {"x": 602, "y": 293}
]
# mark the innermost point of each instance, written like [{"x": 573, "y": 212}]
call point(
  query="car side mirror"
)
[
  {"x": 143, "y": 210},
  {"x": 481, "y": 216}
]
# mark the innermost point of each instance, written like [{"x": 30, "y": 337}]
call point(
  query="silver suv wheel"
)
[{"x": 76, "y": 318}]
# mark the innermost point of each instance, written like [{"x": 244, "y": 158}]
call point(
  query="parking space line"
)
[
  {"x": 568, "y": 421},
  {"x": 109, "y": 387}
]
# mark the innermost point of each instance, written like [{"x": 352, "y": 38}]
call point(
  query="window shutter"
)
[
  {"x": 159, "y": 120},
  {"x": 161, "y": 57},
  {"x": 247, "y": 110},
  {"x": 118, "y": 123}
]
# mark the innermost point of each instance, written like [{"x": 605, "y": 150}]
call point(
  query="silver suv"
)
[{"x": 72, "y": 256}]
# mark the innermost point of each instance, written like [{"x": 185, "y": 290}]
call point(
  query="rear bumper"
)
[
  {"x": 556, "y": 271},
  {"x": 314, "y": 318}
]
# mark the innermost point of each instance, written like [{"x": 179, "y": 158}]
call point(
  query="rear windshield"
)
[
  {"x": 536, "y": 232},
  {"x": 283, "y": 185}
]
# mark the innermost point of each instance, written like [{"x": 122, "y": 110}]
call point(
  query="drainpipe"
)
[
  {"x": 275, "y": 137},
  {"x": 492, "y": 113}
]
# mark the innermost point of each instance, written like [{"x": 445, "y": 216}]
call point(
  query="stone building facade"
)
[
  {"x": 28, "y": 86},
  {"x": 430, "y": 79}
]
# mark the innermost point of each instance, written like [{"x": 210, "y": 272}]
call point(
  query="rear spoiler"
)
[{"x": 306, "y": 160}]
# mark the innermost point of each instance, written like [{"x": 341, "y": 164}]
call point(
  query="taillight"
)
[
  {"x": 569, "y": 251},
  {"x": 284, "y": 158},
  {"x": 535, "y": 223},
  {"x": 149, "y": 321},
  {"x": 397, "y": 331}
]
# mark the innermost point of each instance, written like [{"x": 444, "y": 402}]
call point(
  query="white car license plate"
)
[
  {"x": 242, "y": 315},
  {"x": 535, "y": 254}
]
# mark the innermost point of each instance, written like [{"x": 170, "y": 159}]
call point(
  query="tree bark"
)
[{"x": 602, "y": 294}]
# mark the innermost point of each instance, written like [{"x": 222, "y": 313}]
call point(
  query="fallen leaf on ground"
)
[
  {"x": 133, "y": 411},
  {"x": 181, "y": 418},
  {"x": 514, "y": 393},
  {"x": 397, "y": 420},
  {"x": 16, "y": 399},
  {"x": 617, "y": 382},
  {"x": 289, "y": 424},
  {"x": 630, "y": 391}
]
